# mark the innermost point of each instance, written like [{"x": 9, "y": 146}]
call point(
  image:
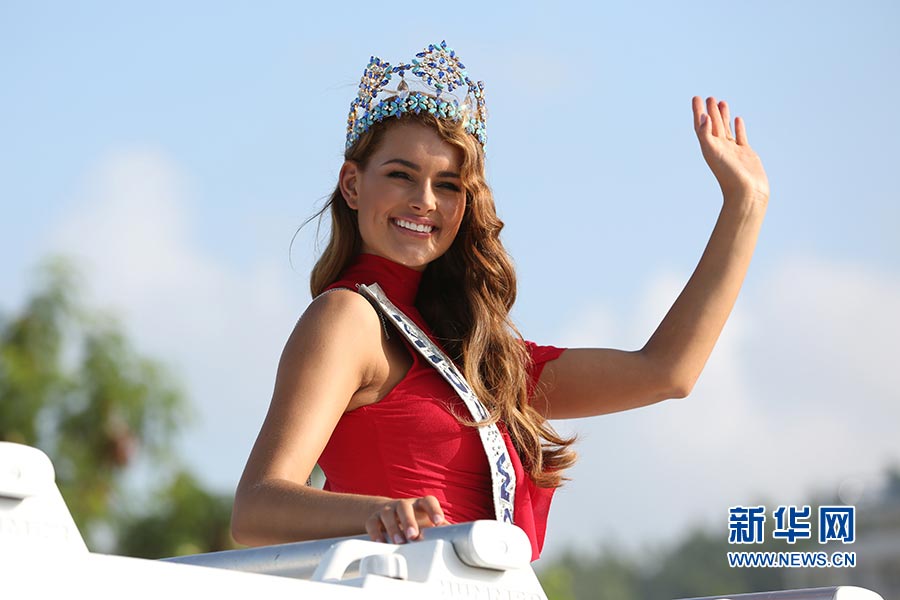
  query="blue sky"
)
[{"x": 174, "y": 149}]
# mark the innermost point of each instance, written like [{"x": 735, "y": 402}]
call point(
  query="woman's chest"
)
[{"x": 419, "y": 423}]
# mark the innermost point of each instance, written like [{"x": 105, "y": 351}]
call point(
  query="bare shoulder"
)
[
  {"x": 333, "y": 324},
  {"x": 339, "y": 308}
]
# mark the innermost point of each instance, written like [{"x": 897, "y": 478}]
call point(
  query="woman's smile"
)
[{"x": 420, "y": 229}]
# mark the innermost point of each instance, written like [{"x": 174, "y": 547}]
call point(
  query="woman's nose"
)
[{"x": 424, "y": 199}]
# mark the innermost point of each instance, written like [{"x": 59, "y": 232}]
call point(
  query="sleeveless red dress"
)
[{"x": 409, "y": 444}]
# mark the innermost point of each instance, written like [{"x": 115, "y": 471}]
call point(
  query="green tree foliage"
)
[
  {"x": 72, "y": 385},
  {"x": 186, "y": 519},
  {"x": 558, "y": 582},
  {"x": 694, "y": 566},
  {"x": 31, "y": 380},
  {"x": 612, "y": 574},
  {"x": 697, "y": 566}
]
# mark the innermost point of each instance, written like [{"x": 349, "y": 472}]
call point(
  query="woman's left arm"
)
[{"x": 591, "y": 381}]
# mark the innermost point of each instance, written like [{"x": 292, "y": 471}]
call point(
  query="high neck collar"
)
[{"x": 399, "y": 282}]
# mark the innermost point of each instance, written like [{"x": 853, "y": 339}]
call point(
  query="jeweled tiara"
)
[{"x": 437, "y": 73}]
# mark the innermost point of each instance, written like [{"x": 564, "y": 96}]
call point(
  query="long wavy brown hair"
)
[{"x": 465, "y": 296}]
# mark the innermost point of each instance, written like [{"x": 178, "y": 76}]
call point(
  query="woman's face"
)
[{"x": 409, "y": 199}]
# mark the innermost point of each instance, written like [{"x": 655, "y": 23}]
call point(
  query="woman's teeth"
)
[{"x": 413, "y": 226}]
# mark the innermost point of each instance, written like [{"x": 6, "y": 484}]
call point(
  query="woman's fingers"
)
[
  {"x": 390, "y": 522},
  {"x": 433, "y": 508},
  {"x": 740, "y": 130},
  {"x": 374, "y": 529},
  {"x": 712, "y": 108},
  {"x": 726, "y": 119},
  {"x": 406, "y": 516},
  {"x": 718, "y": 114},
  {"x": 697, "y": 105},
  {"x": 400, "y": 521}
]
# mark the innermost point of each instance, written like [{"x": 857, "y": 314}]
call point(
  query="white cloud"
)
[
  {"x": 221, "y": 329},
  {"x": 801, "y": 394}
]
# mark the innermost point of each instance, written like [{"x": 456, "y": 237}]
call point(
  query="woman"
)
[{"x": 418, "y": 284}]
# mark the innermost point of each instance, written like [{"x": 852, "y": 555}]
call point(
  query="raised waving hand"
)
[{"x": 735, "y": 165}]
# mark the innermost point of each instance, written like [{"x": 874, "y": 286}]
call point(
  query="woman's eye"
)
[
  {"x": 450, "y": 186},
  {"x": 398, "y": 175}
]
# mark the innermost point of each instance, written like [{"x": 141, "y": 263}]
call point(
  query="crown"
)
[{"x": 437, "y": 73}]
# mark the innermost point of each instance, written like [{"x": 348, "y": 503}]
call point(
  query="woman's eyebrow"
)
[{"x": 417, "y": 168}]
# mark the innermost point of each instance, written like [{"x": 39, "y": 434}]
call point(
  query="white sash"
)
[{"x": 503, "y": 477}]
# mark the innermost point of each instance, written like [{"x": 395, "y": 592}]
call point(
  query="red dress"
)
[{"x": 409, "y": 444}]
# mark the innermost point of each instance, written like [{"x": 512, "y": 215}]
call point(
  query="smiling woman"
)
[{"x": 441, "y": 417}]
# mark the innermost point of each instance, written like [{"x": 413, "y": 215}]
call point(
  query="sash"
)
[{"x": 503, "y": 476}]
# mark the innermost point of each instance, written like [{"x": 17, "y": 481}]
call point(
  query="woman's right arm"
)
[{"x": 331, "y": 354}]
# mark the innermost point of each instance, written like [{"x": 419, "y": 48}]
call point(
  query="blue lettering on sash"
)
[
  {"x": 451, "y": 375},
  {"x": 410, "y": 332},
  {"x": 504, "y": 487},
  {"x": 482, "y": 411},
  {"x": 507, "y": 516}
]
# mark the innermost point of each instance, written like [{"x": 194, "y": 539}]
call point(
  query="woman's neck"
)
[{"x": 399, "y": 282}]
